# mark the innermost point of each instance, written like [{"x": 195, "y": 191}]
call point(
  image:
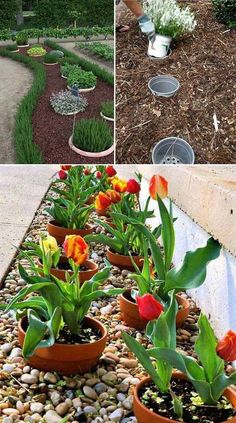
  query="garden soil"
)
[
  {"x": 12, "y": 90},
  {"x": 204, "y": 62}
]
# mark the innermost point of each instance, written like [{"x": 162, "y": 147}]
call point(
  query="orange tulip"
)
[
  {"x": 114, "y": 195},
  {"x": 120, "y": 185},
  {"x": 226, "y": 347},
  {"x": 66, "y": 167},
  {"x": 76, "y": 249},
  {"x": 158, "y": 186},
  {"x": 102, "y": 201}
]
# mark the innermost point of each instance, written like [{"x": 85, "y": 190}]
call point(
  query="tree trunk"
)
[{"x": 19, "y": 16}]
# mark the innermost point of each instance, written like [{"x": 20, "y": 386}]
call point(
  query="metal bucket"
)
[
  {"x": 164, "y": 85},
  {"x": 173, "y": 150}
]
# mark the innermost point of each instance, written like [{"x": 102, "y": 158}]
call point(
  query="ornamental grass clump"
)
[
  {"x": 169, "y": 18},
  {"x": 66, "y": 103},
  {"x": 92, "y": 135},
  {"x": 107, "y": 109}
]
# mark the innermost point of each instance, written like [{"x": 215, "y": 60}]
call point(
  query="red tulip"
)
[
  {"x": 102, "y": 201},
  {"x": 76, "y": 249},
  {"x": 133, "y": 187},
  {"x": 110, "y": 171},
  {"x": 113, "y": 195},
  {"x": 62, "y": 174},
  {"x": 149, "y": 307},
  {"x": 226, "y": 347},
  {"x": 98, "y": 174},
  {"x": 86, "y": 171},
  {"x": 65, "y": 167},
  {"x": 158, "y": 185}
]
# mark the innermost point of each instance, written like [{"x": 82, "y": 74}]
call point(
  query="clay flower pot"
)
[
  {"x": 59, "y": 232},
  {"x": 124, "y": 262},
  {"x": 102, "y": 212},
  {"x": 84, "y": 275},
  {"x": 67, "y": 359},
  {"x": 144, "y": 415},
  {"x": 130, "y": 313}
]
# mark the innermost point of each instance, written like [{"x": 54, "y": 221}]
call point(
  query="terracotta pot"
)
[
  {"x": 130, "y": 313},
  {"x": 102, "y": 212},
  {"x": 124, "y": 262},
  {"x": 84, "y": 275},
  {"x": 59, "y": 232},
  {"x": 144, "y": 415},
  {"x": 67, "y": 359}
]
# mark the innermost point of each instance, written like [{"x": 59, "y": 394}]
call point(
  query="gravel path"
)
[{"x": 14, "y": 84}]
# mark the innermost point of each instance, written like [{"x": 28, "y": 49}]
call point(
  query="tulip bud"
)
[
  {"x": 98, "y": 174},
  {"x": 66, "y": 167},
  {"x": 158, "y": 186},
  {"x": 133, "y": 187},
  {"x": 86, "y": 171},
  {"x": 62, "y": 174},
  {"x": 120, "y": 185},
  {"x": 226, "y": 347},
  {"x": 149, "y": 307},
  {"x": 110, "y": 171},
  {"x": 48, "y": 243}
]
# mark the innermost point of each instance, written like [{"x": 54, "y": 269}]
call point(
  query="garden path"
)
[
  {"x": 20, "y": 197},
  {"x": 108, "y": 66},
  {"x": 14, "y": 84}
]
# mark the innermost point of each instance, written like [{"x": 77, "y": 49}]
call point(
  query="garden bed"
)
[
  {"x": 204, "y": 64},
  {"x": 52, "y": 131}
]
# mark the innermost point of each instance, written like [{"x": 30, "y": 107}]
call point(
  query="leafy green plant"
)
[
  {"x": 81, "y": 79},
  {"x": 26, "y": 151},
  {"x": 58, "y": 305},
  {"x": 225, "y": 12},
  {"x": 22, "y": 38},
  {"x": 50, "y": 58},
  {"x": 107, "y": 109},
  {"x": 66, "y": 103},
  {"x": 12, "y": 47},
  {"x": 67, "y": 68},
  {"x": 36, "y": 51},
  {"x": 99, "y": 49},
  {"x": 190, "y": 274},
  {"x": 92, "y": 135},
  {"x": 70, "y": 214},
  {"x": 85, "y": 64}
]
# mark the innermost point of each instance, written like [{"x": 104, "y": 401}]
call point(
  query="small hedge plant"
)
[
  {"x": 92, "y": 135},
  {"x": 12, "y": 48},
  {"x": 50, "y": 58},
  {"x": 36, "y": 51},
  {"x": 81, "y": 79},
  {"x": 22, "y": 39},
  {"x": 225, "y": 11},
  {"x": 107, "y": 109},
  {"x": 65, "y": 103}
]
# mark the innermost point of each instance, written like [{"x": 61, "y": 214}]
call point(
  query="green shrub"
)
[
  {"x": 8, "y": 9},
  {"x": 225, "y": 11},
  {"x": 12, "y": 47},
  {"x": 50, "y": 58},
  {"x": 92, "y": 135},
  {"x": 26, "y": 151},
  {"x": 101, "y": 50},
  {"x": 36, "y": 51},
  {"x": 67, "y": 68},
  {"x": 85, "y": 64},
  {"x": 22, "y": 39},
  {"x": 107, "y": 109},
  {"x": 81, "y": 79}
]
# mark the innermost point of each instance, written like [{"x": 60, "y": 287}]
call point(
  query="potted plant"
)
[
  {"x": 107, "y": 110},
  {"x": 54, "y": 330},
  {"x": 92, "y": 138},
  {"x": 67, "y": 68},
  {"x": 51, "y": 261},
  {"x": 83, "y": 80},
  {"x": 69, "y": 217},
  {"x": 125, "y": 243},
  {"x": 66, "y": 104},
  {"x": 200, "y": 391},
  {"x": 36, "y": 51},
  {"x": 164, "y": 277},
  {"x": 50, "y": 59},
  {"x": 22, "y": 39},
  {"x": 171, "y": 21},
  {"x": 13, "y": 48}
]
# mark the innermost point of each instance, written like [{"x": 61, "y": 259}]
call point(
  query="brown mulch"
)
[
  {"x": 52, "y": 131},
  {"x": 205, "y": 64}
]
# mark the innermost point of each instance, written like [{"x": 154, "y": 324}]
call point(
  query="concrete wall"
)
[{"x": 201, "y": 197}]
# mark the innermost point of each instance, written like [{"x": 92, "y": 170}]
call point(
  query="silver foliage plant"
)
[{"x": 65, "y": 103}]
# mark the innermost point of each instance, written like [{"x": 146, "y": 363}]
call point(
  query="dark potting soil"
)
[
  {"x": 52, "y": 131},
  {"x": 66, "y": 266},
  {"x": 204, "y": 62},
  {"x": 87, "y": 336},
  {"x": 162, "y": 404}
]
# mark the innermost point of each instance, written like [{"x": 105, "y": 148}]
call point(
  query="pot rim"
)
[
  {"x": 54, "y": 223},
  {"x": 69, "y": 346},
  {"x": 107, "y": 117},
  {"x": 93, "y": 267},
  {"x": 185, "y": 300},
  {"x": 165, "y": 77},
  {"x": 122, "y": 255},
  {"x": 175, "y": 375},
  {"x": 88, "y": 153},
  {"x": 184, "y": 142}
]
